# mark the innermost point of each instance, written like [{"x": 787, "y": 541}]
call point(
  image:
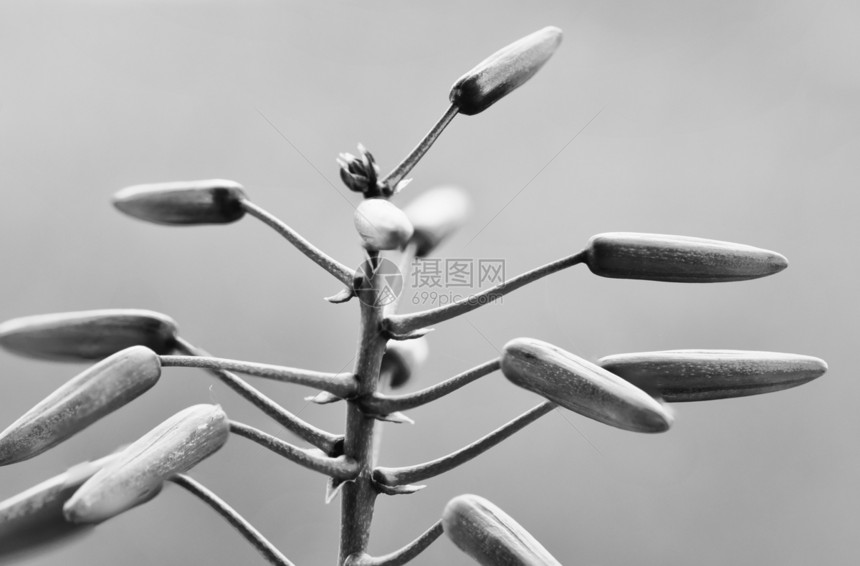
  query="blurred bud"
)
[
  {"x": 702, "y": 375},
  {"x": 401, "y": 358},
  {"x": 490, "y": 536},
  {"x": 88, "y": 335},
  {"x": 681, "y": 259},
  {"x": 213, "y": 201},
  {"x": 503, "y": 71},
  {"x": 139, "y": 472},
  {"x": 581, "y": 386},
  {"x": 360, "y": 173},
  {"x": 381, "y": 225},
  {"x": 435, "y": 215},
  {"x": 80, "y": 402},
  {"x": 34, "y": 518}
]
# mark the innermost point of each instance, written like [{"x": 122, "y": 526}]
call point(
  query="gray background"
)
[{"x": 729, "y": 120}]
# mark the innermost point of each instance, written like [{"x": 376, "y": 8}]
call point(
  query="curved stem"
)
[
  {"x": 339, "y": 468},
  {"x": 380, "y": 404},
  {"x": 339, "y": 270},
  {"x": 401, "y": 324},
  {"x": 325, "y": 441},
  {"x": 405, "y": 554},
  {"x": 342, "y": 385},
  {"x": 418, "y": 152},
  {"x": 411, "y": 474},
  {"x": 246, "y": 529}
]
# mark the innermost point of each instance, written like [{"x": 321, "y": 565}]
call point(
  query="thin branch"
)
[
  {"x": 339, "y": 468},
  {"x": 405, "y": 554},
  {"x": 340, "y": 384},
  {"x": 339, "y": 270},
  {"x": 246, "y": 529},
  {"x": 411, "y": 474},
  {"x": 380, "y": 404},
  {"x": 416, "y": 154},
  {"x": 325, "y": 441},
  {"x": 402, "y": 324}
]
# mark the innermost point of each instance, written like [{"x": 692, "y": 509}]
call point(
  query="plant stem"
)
[
  {"x": 325, "y": 441},
  {"x": 411, "y": 474},
  {"x": 247, "y": 530},
  {"x": 405, "y": 554},
  {"x": 342, "y": 384},
  {"x": 401, "y": 324},
  {"x": 380, "y": 404},
  {"x": 339, "y": 270},
  {"x": 416, "y": 154},
  {"x": 340, "y": 468}
]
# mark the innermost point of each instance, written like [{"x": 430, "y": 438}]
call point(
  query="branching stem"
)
[
  {"x": 402, "y": 556},
  {"x": 237, "y": 521},
  {"x": 402, "y": 324}
]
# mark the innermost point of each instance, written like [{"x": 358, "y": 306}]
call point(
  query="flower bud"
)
[
  {"x": 88, "y": 335},
  {"x": 86, "y": 398},
  {"x": 401, "y": 358},
  {"x": 681, "y": 259},
  {"x": 503, "y": 71},
  {"x": 213, "y": 201},
  {"x": 581, "y": 386},
  {"x": 435, "y": 215},
  {"x": 381, "y": 225},
  {"x": 490, "y": 536},
  {"x": 139, "y": 472},
  {"x": 34, "y": 518},
  {"x": 359, "y": 174},
  {"x": 702, "y": 375}
]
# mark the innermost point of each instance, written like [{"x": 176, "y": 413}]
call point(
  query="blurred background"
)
[{"x": 728, "y": 120}]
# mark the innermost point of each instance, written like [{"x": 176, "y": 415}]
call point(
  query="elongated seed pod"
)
[
  {"x": 139, "y": 472},
  {"x": 681, "y": 259},
  {"x": 34, "y": 518},
  {"x": 86, "y": 398},
  {"x": 702, "y": 375},
  {"x": 213, "y": 201},
  {"x": 581, "y": 386},
  {"x": 504, "y": 71},
  {"x": 381, "y": 225},
  {"x": 401, "y": 358},
  {"x": 490, "y": 536},
  {"x": 435, "y": 215},
  {"x": 88, "y": 335}
]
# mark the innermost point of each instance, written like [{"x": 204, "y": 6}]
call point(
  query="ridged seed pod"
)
[
  {"x": 212, "y": 201},
  {"x": 504, "y": 71},
  {"x": 86, "y": 398},
  {"x": 581, "y": 386},
  {"x": 139, "y": 472},
  {"x": 435, "y": 215},
  {"x": 702, "y": 375},
  {"x": 490, "y": 536},
  {"x": 401, "y": 358},
  {"x": 88, "y": 335},
  {"x": 34, "y": 518},
  {"x": 681, "y": 259},
  {"x": 381, "y": 225}
]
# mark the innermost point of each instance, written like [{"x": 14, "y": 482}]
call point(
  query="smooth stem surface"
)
[
  {"x": 416, "y": 154},
  {"x": 325, "y": 441},
  {"x": 405, "y": 554},
  {"x": 342, "y": 385},
  {"x": 339, "y": 270},
  {"x": 339, "y": 468},
  {"x": 380, "y": 404},
  {"x": 251, "y": 534},
  {"x": 410, "y": 474},
  {"x": 400, "y": 324}
]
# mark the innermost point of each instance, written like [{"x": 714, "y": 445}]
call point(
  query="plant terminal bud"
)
[
  {"x": 581, "y": 386},
  {"x": 681, "y": 259},
  {"x": 504, "y": 71},
  {"x": 402, "y": 358},
  {"x": 213, "y": 201},
  {"x": 435, "y": 215},
  {"x": 381, "y": 225}
]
